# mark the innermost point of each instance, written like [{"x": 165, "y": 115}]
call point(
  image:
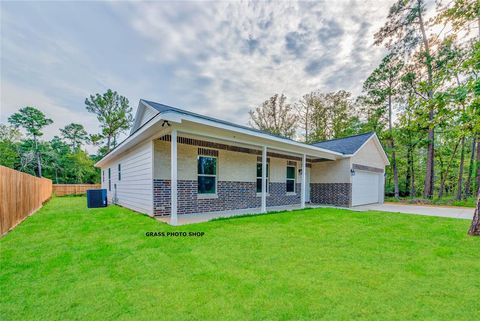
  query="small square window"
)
[
  {"x": 259, "y": 177},
  {"x": 290, "y": 182},
  {"x": 290, "y": 172},
  {"x": 206, "y": 184},
  {"x": 207, "y": 175}
]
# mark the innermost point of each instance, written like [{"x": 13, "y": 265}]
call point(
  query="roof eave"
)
[{"x": 178, "y": 117}]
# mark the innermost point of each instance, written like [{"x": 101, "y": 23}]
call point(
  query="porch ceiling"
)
[
  {"x": 226, "y": 136},
  {"x": 221, "y": 143}
]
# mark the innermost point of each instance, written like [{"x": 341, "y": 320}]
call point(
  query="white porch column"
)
[
  {"x": 264, "y": 179},
  {"x": 173, "y": 178},
  {"x": 304, "y": 187}
]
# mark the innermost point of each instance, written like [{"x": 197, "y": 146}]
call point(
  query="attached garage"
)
[
  {"x": 366, "y": 187},
  {"x": 359, "y": 178}
]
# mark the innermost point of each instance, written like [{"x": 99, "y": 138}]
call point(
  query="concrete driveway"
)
[{"x": 442, "y": 211}]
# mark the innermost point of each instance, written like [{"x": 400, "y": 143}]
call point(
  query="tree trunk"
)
[
  {"x": 460, "y": 170},
  {"x": 478, "y": 163},
  {"x": 445, "y": 175},
  {"x": 392, "y": 141},
  {"x": 408, "y": 176},
  {"x": 442, "y": 172},
  {"x": 428, "y": 186},
  {"x": 470, "y": 170},
  {"x": 430, "y": 168},
  {"x": 37, "y": 154},
  {"x": 475, "y": 227},
  {"x": 413, "y": 191}
]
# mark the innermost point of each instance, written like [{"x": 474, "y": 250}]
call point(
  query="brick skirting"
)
[
  {"x": 338, "y": 194},
  {"x": 231, "y": 196}
]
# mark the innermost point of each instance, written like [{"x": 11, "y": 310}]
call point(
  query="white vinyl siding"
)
[
  {"x": 145, "y": 114},
  {"x": 135, "y": 189}
]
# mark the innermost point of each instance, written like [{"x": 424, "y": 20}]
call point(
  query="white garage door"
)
[{"x": 365, "y": 187}]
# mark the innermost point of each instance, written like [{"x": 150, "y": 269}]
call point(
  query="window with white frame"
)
[
  {"x": 207, "y": 175},
  {"x": 103, "y": 176},
  {"x": 259, "y": 177},
  {"x": 290, "y": 179},
  {"x": 119, "y": 172},
  {"x": 109, "y": 179}
]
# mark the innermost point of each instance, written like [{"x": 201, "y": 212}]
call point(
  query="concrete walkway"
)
[
  {"x": 183, "y": 219},
  {"x": 455, "y": 212},
  {"x": 441, "y": 211}
]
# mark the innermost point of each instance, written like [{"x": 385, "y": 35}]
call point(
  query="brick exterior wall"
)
[
  {"x": 277, "y": 195},
  {"x": 231, "y": 196},
  {"x": 338, "y": 194}
]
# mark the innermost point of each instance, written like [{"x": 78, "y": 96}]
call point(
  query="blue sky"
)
[{"x": 216, "y": 58}]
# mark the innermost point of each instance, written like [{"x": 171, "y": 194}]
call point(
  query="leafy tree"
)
[
  {"x": 114, "y": 114},
  {"x": 75, "y": 134},
  {"x": 381, "y": 87},
  {"x": 9, "y": 140},
  {"x": 464, "y": 16},
  {"x": 67, "y": 165},
  {"x": 32, "y": 120},
  {"x": 274, "y": 116},
  {"x": 304, "y": 108},
  {"x": 405, "y": 32},
  {"x": 333, "y": 116},
  {"x": 460, "y": 14}
]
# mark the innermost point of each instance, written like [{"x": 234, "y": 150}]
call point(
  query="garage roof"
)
[{"x": 347, "y": 145}]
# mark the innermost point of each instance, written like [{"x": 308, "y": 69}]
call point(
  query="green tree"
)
[
  {"x": 333, "y": 116},
  {"x": 67, "y": 165},
  {"x": 304, "y": 110},
  {"x": 381, "y": 87},
  {"x": 33, "y": 121},
  {"x": 9, "y": 140},
  {"x": 114, "y": 114},
  {"x": 75, "y": 134},
  {"x": 405, "y": 32},
  {"x": 275, "y": 116}
]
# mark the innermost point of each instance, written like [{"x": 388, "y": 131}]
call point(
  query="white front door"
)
[
  {"x": 366, "y": 187},
  {"x": 307, "y": 185}
]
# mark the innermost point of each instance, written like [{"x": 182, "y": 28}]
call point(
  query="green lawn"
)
[{"x": 70, "y": 263}]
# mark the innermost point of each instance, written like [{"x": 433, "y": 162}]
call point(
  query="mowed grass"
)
[{"x": 67, "y": 262}]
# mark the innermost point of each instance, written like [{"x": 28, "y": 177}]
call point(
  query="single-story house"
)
[{"x": 178, "y": 162}]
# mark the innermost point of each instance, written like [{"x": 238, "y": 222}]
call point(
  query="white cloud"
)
[
  {"x": 14, "y": 97},
  {"x": 217, "y": 58},
  {"x": 233, "y": 55}
]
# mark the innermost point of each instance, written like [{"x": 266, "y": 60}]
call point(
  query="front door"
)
[{"x": 307, "y": 185}]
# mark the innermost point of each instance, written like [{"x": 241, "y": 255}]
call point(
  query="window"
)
[
  {"x": 290, "y": 179},
  {"x": 259, "y": 177},
  {"x": 207, "y": 175},
  {"x": 103, "y": 175},
  {"x": 109, "y": 179},
  {"x": 119, "y": 172}
]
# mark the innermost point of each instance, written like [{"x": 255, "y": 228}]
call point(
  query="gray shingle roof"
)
[
  {"x": 164, "y": 108},
  {"x": 347, "y": 145}
]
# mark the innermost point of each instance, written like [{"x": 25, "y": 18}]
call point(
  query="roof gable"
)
[
  {"x": 347, "y": 145},
  {"x": 161, "y": 108},
  {"x": 144, "y": 114}
]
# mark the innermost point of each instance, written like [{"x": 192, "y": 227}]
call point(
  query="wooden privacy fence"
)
[
  {"x": 21, "y": 194},
  {"x": 73, "y": 189}
]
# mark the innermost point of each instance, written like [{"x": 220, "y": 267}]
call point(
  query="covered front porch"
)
[{"x": 202, "y": 173}]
